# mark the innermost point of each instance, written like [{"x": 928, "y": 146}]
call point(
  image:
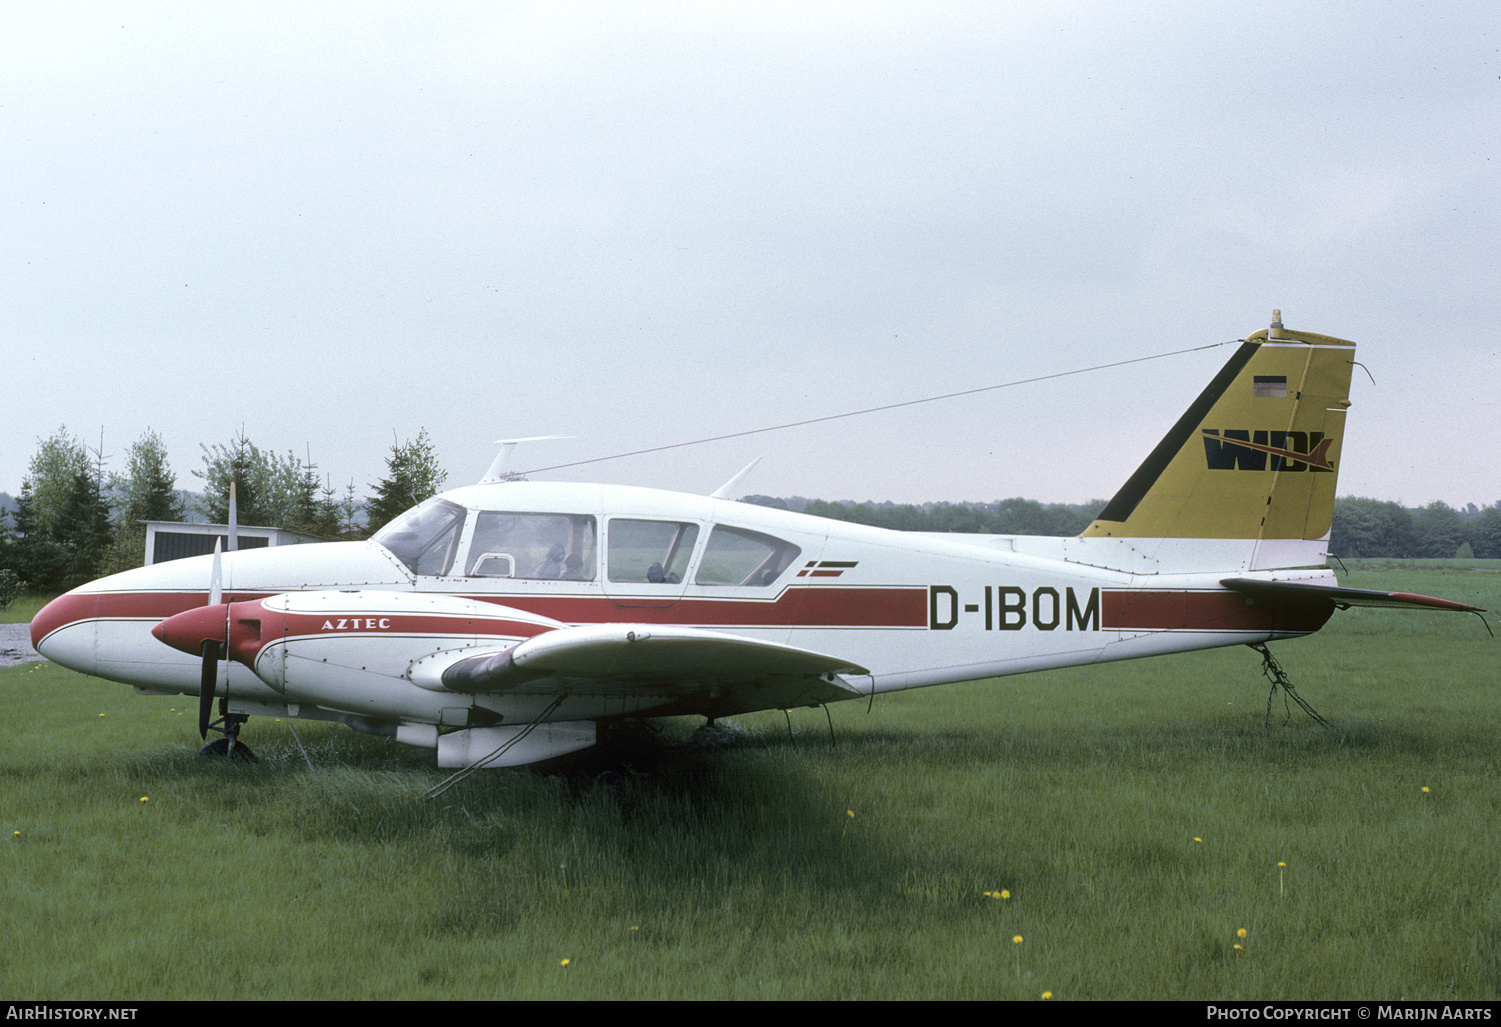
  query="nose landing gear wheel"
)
[
  {"x": 230, "y": 744},
  {"x": 220, "y": 747}
]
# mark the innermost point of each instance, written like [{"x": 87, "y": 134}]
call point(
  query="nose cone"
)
[
  {"x": 61, "y": 611},
  {"x": 188, "y": 630},
  {"x": 64, "y": 629}
]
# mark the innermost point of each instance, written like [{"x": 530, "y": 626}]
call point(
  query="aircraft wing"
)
[
  {"x": 1342, "y": 597},
  {"x": 674, "y": 662}
]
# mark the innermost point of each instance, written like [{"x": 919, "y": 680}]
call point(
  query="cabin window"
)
[
  {"x": 655, "y": 552},
  {"x": 425, "y": 537},
  {"x": 537, "y": 546},
  {"x": 738, "y": 556}
]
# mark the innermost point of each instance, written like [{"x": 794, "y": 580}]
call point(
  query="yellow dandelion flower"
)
[
  {"x": 1017, "y": 940},
  {"x": 851, "y": 813},
  {"x": 1241, "y": 933},
  {"x": 1239, "y": 949},
  {"x": 143, "y": 798},
  {"x": 1005, "y": 894},
  {"x": 1425, "y": 787},
  {"x": 565, "y": 962},
  {"x": 1281, "y": 864},
  {"x": 1047, "y": 994},
  {"x": 1200, "y": 840}
]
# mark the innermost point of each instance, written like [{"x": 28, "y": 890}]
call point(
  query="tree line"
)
[
  {"x": 1374, "y": 527},
  {"x": 1002, "y": 517},
  {"x": 76, "y": 520},
  {"x": 1362, "y": 527}
]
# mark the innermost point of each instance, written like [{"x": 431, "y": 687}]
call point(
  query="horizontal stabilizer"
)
[
  {"x": 1343, "y": 597},
  {"x": 664, "y": 659}
]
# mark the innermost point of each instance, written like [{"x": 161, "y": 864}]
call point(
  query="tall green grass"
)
[{"x": 1135, "y": 814}]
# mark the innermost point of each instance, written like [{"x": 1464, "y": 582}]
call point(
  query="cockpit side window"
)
[
  {"x": 426, "y": 537},
  {"x": 537, "y": 546},
  {"x": 739, "y": 556},
  {"x": 655, "y": 552}
]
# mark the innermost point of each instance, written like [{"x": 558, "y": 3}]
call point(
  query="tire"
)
[{"x": 220, "y": 747}]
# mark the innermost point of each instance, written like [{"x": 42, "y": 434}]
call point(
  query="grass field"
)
[{"x": 1135, "y": 816}]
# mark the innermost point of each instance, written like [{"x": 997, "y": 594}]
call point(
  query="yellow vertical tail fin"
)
[{"x": 1255, "y": 456}]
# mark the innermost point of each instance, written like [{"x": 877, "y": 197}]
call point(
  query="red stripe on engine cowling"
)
[
  {"x": 253, "y": 627},
  {"x": 427, "y": 625}
]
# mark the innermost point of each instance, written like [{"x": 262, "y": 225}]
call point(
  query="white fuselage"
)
[{"x": 915, "y": 609}]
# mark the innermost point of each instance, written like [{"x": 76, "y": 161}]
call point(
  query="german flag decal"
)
[{"x": 1269, "y": 386}]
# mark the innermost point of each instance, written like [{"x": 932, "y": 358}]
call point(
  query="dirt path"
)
[{"x": 15, "y": 645}]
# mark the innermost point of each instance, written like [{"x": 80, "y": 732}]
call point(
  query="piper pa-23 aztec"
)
[{"x": 503, "y": 623}]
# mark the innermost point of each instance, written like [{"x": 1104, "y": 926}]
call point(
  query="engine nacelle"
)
[{"x": 351, "y": 650}]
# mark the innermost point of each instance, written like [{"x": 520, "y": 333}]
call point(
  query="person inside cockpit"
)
[{"x": 552, "y": 567}]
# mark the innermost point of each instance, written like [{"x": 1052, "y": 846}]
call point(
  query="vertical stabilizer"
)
[{"x": 1256, "y": 455}]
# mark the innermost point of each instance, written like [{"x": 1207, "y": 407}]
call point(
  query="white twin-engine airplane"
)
[{"x": 504, "y": 622}]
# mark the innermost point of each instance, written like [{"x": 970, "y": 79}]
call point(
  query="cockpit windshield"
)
[{"x": 426, "y": 537}]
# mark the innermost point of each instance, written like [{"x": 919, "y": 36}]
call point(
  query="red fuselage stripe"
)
[
  {"x": 1208, "y": 611},
  {"x": 152, "y": 606},
  {"x": 807, "y": 607},
  {"x": 795, "y": 608}
]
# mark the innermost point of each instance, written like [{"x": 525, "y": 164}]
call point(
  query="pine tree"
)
[
  {"x": 350, "y": 511},
  {"x": 271, "y": 490},
  {"x": 412, "y": 475},
  {"x": 7, "y": 547},
  {"x": 147, "y": 492},
  {"x": 33, "y": 556},
  {"x": 57, "y": 461},
  {"x": 315, "y": 507},
  {"x": 82, "y": 532},
  {"x": 50, "y": 512},
  {"x": 251, "y": 471}
]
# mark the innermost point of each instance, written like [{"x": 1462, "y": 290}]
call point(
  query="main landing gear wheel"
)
[{"x": 220, "y": 747}]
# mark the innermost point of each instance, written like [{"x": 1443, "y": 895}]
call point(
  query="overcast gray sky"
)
[{"x": 644, "y": 223}]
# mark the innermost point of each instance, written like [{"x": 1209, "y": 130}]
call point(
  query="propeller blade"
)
[
  {"x": 206, "y": 685},
  {"x": 216, "y": 579},
  {"x": 210, "y": 673},
  {"x": 234, "y": 520}
]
